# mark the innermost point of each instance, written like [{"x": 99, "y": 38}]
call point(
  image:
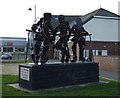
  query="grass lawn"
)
[
  {"x": 15, "y": 61},
  {"x": 109, "y": 89}
]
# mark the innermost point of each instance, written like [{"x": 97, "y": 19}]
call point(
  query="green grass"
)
[
  {"x": 109, "y": 89},
  {"x": 15, "y": 61}
]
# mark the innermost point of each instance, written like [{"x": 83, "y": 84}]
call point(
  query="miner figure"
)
[
  {"x": 79, "y": 34},
  {"x": 33, "y": 44},
  {"x": 38, "y": 39},
  {"x": 47, "y": 30},
  {"x": 43, "y": 34},
  {"x": 64, "y": 35}
]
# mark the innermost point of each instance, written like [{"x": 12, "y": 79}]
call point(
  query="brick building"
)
[
  {"x": 105, "y": 41},
  {"x": 103, "y": 25},
  {"x": 103, "y": 48}
]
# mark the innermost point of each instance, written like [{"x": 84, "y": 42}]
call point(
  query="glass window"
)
[
  {"x": 7, "y": 49},
  {"x": 95, "y": 52},
  {"x": 104, "y": 52},
  {"x": 4, "y": 49},
  {"x": 19, "y": 49},
  {"x": 86, "y": 53}
]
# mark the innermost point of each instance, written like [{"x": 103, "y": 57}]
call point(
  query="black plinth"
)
[{"x": 51, "y": 75}]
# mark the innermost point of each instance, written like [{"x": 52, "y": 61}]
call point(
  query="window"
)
[
  {"x": 95, "y": 52},
  {"x": 19, "y": 49},
  {"x": 86, "y": 53},
  {"x": 0, "y": 49},
  {"x": 7, "y": 49},
  {"x": 104, "y": 52}
]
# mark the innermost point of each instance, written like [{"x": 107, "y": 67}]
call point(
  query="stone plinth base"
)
[{"x": 35, "y": 77}]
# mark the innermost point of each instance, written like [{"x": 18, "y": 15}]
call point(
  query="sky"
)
[{"x": 15, "y": 17}]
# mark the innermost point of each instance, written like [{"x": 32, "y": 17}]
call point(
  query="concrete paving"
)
[
  {"x": 110, "y": 74},
  {"x": 12, "y": 69}
]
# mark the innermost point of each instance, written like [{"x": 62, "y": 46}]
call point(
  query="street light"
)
[{"x": 30, "y": 9}]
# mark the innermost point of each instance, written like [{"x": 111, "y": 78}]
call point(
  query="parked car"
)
[{"x": 6, "y": 56}]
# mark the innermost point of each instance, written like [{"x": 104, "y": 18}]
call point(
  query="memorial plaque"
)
[{"x": 24, "y": 73}]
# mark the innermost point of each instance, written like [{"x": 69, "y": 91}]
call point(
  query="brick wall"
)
[
  {"x": 50, "y": 53},
  {"x": 110, "y": 63},
  {"x": 112, "y": 47}
]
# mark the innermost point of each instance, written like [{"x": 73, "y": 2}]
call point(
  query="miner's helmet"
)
[
  {"x": 34, "y": 27},
  {"x": 61, "y": 18},
  {"x": 78, "y": 22},
  {"x": 40, "y": 22},
  {"x": 47, "y": 16}
]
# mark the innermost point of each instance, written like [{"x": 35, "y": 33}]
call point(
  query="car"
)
[{"x": 6, "y": 56}]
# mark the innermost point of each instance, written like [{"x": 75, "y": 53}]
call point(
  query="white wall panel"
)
[{"x": 103, "y": 29}]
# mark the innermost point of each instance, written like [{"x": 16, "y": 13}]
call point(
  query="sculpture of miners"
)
[
  {"x": 78, "y": 32},
  {"x": 64, "y": 35},
  {"x": 43, "y": 34}
]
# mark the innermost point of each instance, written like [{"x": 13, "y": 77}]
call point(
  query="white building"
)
[
  {"x": 13, "y": 45},
  {"x": 103, "y": 25}
]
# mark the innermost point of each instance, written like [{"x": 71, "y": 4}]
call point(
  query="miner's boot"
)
[
  {"x": 43, "y": 61},
  {"x": 62, "y": 59},
  {"x": 33, "y": 57},
  {"x": 67, "y": 58},
  {"x": 74, "y": 59}
]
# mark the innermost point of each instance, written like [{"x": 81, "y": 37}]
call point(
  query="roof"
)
[
  {"x": 85, "y": 18},
  {"x": 98, "y": 12},
  {"x": 68, "y": 18}
]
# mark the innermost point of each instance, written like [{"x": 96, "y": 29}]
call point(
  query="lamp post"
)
[
  {"x": 30, "y": 9},
  {"x": 28, "y": 47}
]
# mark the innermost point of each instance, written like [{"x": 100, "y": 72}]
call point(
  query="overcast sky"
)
[{"x": 15, "y": 17}]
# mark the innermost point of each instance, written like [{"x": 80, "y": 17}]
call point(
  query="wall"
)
[
  {"x": 110, "y": 63},
  {"x": 112, "y": 47},
  {"x": 103, "y": 29},
  {"x": 50, "y": 53}
]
